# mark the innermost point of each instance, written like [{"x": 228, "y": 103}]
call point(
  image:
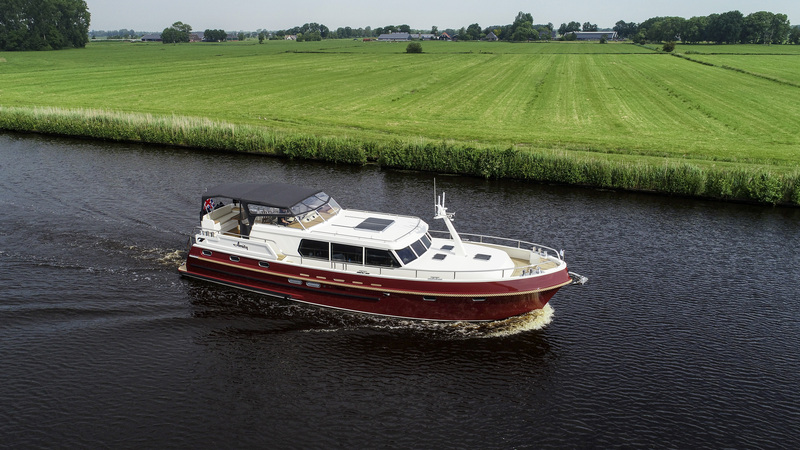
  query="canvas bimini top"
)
[{"x": 277, "y": 195}]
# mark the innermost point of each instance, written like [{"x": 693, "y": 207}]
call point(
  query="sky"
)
[{"x": 252, "y": 15}]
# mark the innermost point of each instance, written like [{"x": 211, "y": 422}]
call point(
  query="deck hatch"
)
[
  {"x": 374, "y": 224},
  {"x": 439, "y": 256},
  {"x": 483, "y": 257},
  {"x": 447, "y": 247}
]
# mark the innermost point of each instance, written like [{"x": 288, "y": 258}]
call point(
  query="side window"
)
[
  {"x": 347, "y": 253},
  {"x": 314, "y": 249},
  {"x": 382, "y": 258}
]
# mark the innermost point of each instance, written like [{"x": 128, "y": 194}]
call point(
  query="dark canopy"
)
[{"x": 279, "y": 195}]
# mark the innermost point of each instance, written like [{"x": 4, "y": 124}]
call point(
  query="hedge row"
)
[{"x": 745, "y": 184}]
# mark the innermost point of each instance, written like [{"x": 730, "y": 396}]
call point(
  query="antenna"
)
[{"x": 435, "y": 198}]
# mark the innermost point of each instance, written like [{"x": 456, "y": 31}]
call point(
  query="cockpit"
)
[{"x": 311, "y": 211}]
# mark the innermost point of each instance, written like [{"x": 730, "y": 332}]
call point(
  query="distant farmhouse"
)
[
  {"x": 394, "y": 37},
  {"x": 153, "y": 37},
  {"x": 491, "y": 37},
  {"x": 595, "y": 35},
  {"x": 423, "y": 36}
]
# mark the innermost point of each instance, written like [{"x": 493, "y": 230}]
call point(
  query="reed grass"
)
[{"x": 551, "y": 166}]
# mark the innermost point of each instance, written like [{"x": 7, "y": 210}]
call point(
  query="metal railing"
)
[
  {"x": 402, "y": 272},
  {"x": 544, "y": 251}
]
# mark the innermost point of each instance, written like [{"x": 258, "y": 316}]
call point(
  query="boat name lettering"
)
[{"x": 240, "y": 245}]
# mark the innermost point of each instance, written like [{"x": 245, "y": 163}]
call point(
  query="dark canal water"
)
[{"x": 686, "y": 336}]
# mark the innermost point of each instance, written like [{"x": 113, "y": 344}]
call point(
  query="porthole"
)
[
  {"x": 207, "y": 253},
  {"x": 312, "y": 284},
  {"x": 294, "y": 281},
  {"x": 263, "y": 264},
  {"x": 481, "y": 299},
  {"x": 234, "y": 258},
  {"x": 429, "y": 299}
]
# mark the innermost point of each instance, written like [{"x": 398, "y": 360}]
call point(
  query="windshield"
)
[
  {"x": 414, "y": 250},
  {"x": 310, "y": 204}
]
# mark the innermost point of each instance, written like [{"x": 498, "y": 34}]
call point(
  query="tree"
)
[
  {"x": 414, "y": 47},
  {"x": 43, "y": 24},
  {"x": 666, "y": 29},
  {"x": 794, "y": 35},
  {"x": 780, "y": 23},
  {"x": 573, "y": 26},
  {"x": 626, "y": 30},
  {"x": 178, "y": 32},
  {"x": 726, "y": 28},
  {"x": 522, "y": 28},
  {"x": 261, "y": 36},
  {"x": 524, "y": 32},
  {"x": 435, "y": 30},
  {"x": 473, "y": 32},
  {"x": 695, "y": 30},
  {"x": 589, "y": 26},
  {"x": 213, "y": 35}
]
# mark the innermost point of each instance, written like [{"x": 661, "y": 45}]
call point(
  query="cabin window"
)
[
  {"x": 383, "y": 258},
  {"x": 426, "y": 241},
  {"x": 347, "y": 253},
  {"x": 263, "y": 264},
  {"x": 207, "y": 253},
  {"x": 419, "y": 247},
  {"x": 314, "y": 249},
  {"x": 234, "y": 258}
]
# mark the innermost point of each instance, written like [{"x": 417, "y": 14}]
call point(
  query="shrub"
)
[
  {"x": 668, "y": 46},
  {"x": 414, "y": 47}
]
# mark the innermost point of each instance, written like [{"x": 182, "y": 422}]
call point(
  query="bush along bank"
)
[
  {"x": 677, "y": 178},
  {"x": 179, "y": 131}
]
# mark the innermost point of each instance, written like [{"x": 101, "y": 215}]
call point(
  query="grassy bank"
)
[
  {"x": 615, "y": 115},
  {"x": 678, "y": 178}
]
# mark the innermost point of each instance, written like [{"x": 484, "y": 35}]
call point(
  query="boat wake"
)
[
  {"x": 162, "y": 257},
  {"x": 532, "y": 321}
]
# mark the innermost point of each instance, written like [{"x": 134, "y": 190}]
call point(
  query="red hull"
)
[{"x": 415, "y": 299}]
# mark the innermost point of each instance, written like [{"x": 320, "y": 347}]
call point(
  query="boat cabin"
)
[{"x": 310, "y": 224}]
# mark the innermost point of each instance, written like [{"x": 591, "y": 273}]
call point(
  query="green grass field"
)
[{"x": 618, "y": 101}]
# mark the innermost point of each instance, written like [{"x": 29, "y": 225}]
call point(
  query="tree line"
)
[
  {"x": 731, "y": 27},
  {"x": 522, "y": 29},
  {"x": 43, "y": 24}
]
